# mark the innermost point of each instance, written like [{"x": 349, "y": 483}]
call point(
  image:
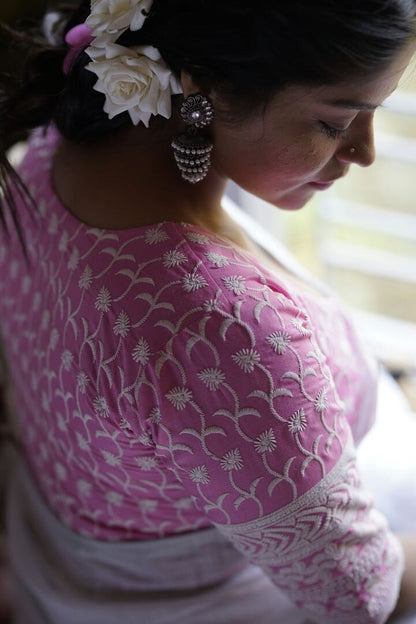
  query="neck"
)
[{"x": 132, "y": 180}]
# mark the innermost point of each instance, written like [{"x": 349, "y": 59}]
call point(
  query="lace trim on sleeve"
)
[{"x": 329, "y": 550}]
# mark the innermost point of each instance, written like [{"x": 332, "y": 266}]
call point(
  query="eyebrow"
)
[{"x": 352, "y": 105}]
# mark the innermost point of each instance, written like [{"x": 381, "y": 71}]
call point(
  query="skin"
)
[
  {"x": 407, "y": 598},
  {"x": 303, "y": 139}
]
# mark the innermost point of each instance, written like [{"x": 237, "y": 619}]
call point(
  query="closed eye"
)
[{"x": 332, "y": 132}]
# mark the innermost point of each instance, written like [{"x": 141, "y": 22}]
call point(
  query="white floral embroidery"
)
[
  {"x": 173, "y": 258},
  {"x": 53, "y": 341},
  {"x": 60, "y": 471},
  {"x": 114, "y": 498},
  {"x": 53, "y": 224},
  {"x": 122, "y": 325},
  {"x": 45, "y": 402},
  {"x": 63, "y": 241},
  {"x": 217, "y": 259},
  {"x": 246, "y": 359},
  {"x": 196, "y": 237},
  {"x": 61, "y": 422},
  {"x": 46, "y": 316},
  {"x": 199, "y": 474},
  {"x": 26, "y": 284},
  {"x": 240, "y": 427},
  {"x": 193, "y": 281},
  {"x": 125, "y": 425},
  {"x": 279, "y": 341},
  {"x": 235, "y": 283},
  {"x": 85, "y": 280},
  {"x": 67, "y": 358},
  {"x": 82, "y": 381},
  {"x": 314, "y": 577},
  {"x": 153, "y": 236},
  {"x": 184, "y": 503},
  {"x": 148, "y": 505},
  {"x": 110, "y": 458},
  {"x": 179, "y": 397},
  {"x": 265, "y": 442},
  {"x": 141, "y": 351},
  {"x": 232, "y": 460},
  {"x": 101, "y": 406},
  {"x": 155, "y": 416},
  {"x": 37, "y": 299},
  {"x": 146, "y": 439},
  {"x": 321, "y": 401},
  {"x": 298, "y": 323},
  {"x": 212, "y": 305},
  {"x": 82, "y": 442},
  {"x": 84, "y": 487},
  {"x": 147, "y": 463},
  {"x": 212, "y": 377},
  {"x": 103, "y": 301},
  {"x": 74, "y": 259},
  {"x": 298, "y": 421}
]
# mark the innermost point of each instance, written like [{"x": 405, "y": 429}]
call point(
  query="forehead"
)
[
  {"x": 372, "y": 88},
  {"x": 365, "y": 91}
]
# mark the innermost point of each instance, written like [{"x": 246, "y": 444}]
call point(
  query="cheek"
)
[
  {"x": 307, "y": 154},
  {"x": 274, "y": 164}
]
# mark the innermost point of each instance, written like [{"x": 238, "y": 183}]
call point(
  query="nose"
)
[{"x": 358, "y": 148}]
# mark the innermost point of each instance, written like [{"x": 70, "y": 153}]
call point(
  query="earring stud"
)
[
  {"x": 352, "y": 150},
  {"x": 192, "y": 151},
  {"x": 197, "y": 111}
]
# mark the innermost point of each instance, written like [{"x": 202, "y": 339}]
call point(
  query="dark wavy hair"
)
[{"x": 245, "y": 49}]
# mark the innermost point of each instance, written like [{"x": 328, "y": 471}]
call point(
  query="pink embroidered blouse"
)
[{"x": 166, "y": 381}]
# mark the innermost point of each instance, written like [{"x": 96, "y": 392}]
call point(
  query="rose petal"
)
[{"x": 137, "y": 79}]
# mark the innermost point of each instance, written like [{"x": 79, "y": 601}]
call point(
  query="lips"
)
[{"x": 321, "y": 186}]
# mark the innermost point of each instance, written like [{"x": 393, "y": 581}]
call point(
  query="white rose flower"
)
[
  {"x": 115, "y": 16},
  {"x": 136, "y": 80}
]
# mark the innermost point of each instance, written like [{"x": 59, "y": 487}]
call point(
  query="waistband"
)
[{"x": 181, "y": 562}]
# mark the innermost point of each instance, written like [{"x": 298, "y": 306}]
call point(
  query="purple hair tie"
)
[{"x": 78, "y": 38}]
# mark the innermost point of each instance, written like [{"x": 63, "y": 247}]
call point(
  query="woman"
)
[{"x": 189, "y": 409}]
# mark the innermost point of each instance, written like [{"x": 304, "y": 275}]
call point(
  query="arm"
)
[
  {"x": 255, "y": 430},
  {"x": 407, "y": 596}
]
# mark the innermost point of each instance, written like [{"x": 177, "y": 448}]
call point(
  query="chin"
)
[{"x": 292, "y": 202}]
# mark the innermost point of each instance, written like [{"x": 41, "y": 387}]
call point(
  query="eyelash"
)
[{"x": 331, "y": 132}]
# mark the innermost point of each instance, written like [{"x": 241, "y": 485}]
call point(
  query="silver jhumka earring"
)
[{"x": 192, "y": 150}]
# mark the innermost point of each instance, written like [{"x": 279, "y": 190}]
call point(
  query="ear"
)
[{"x": 189, "y": 87}]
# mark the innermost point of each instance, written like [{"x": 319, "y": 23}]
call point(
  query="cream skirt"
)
[{"x": 61, "y": 577}]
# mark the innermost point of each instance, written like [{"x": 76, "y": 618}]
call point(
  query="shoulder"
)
[
  {"x": 191, "y": 287},
  {"x": 204, "y": 264},
  {"x": 185, "y": 275}
]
